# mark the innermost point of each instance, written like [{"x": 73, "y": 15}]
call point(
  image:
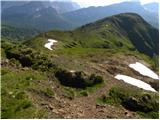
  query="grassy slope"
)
[
  {"x": 124, "y": 31},
  {"x": 85, "y": 49},
  {"x": 17, "y": 34}
]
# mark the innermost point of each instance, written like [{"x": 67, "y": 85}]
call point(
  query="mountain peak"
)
[
  {"x": 129, "y": 25},
  {"x": 123, "y": 17}
]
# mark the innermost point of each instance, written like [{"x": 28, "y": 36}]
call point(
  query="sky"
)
[{"x": 86, "y": 3}]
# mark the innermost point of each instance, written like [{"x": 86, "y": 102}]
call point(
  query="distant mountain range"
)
[
  {"x": 152, "y": 7},
  {"x": 61, "y": 7},
  {"x": 45, "y": 16},
  {"x": 39, "y": 15},
  {"x": 92, "y": 14}
]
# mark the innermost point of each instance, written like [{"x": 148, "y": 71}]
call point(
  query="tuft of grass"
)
[
  {"x": 84, "y": 93},
  {"x": 48, "y": 92}
]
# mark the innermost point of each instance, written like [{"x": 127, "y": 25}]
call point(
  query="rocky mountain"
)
[
  {"x": 63, "y": 7},
  {"x": 60, "y": 6},
  {"x": 48, "y": 15},
  {"x": 90, "y": 14},
  {"x": 8, "y": 4},
  {"x": 39, "y": 15}
]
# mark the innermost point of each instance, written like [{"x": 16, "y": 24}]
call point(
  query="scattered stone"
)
[
  {"x": 55, "y": 111},
  {"x": 127, "y": 114},
  {"x": 62, "y": 111},
  {"x": 51, "y": 107}
]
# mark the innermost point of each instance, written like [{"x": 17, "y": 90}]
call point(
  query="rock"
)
[
  {"x": 127, "y": 114},
  {"x": 43, "y": 104},
  {"x": 110, "y": 117},
  {"x": 101, "y": 110},
  {"x": 68, "y": 117},
  {"x": 55, "y": 111},
  {"x": 50, "y": 107},
  {"x": 155, "y": 84},
  {"x": 62, "y": 111}
]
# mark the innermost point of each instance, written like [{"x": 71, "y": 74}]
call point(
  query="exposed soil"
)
[{"x": 61, "y": 106}]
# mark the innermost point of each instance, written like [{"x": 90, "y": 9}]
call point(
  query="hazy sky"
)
[
  {"x": 108, "y": 2},
  {"x": 86, "y": 3}
]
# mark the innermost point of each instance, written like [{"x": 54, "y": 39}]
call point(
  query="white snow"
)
[
  {"x": 143, "y": 70},
  {"x": 135, "y": 82},
  {"x": 50, "y": 43}
]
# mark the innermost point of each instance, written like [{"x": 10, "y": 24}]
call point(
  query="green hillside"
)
[
  {"x": 126, "y": 31},
  {"x": 76, "y": 78},
  {"x": 17, "y": 34}
]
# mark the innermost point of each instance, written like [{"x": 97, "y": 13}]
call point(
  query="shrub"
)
[
  {"x": 96, "y": 79},
  {"x": 118, "y": 94},
  {"x": 28, "y": 57},
  {"x": 77, "y": 79},
  {"x": 144, "y": 103}
]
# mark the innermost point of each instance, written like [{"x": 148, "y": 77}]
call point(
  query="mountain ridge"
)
[
  {"x": 88, "y": 14},
  {"x": 126, "y": 30},
  {"x": 29, "y": 15}
]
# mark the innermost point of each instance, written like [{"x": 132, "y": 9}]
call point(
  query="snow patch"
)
[
  {"x": 143, "y": 70},
  {"x": 135, "y": 82},
  {"x": 50, "y": 43}
]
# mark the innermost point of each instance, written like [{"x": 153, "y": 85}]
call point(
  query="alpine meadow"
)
[{"x": 63, "y": 60}]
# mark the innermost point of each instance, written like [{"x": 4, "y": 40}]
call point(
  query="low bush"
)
[
  {"x": 28, "y": 57},
  {"x": 77, "y": 79},
  {"x": 144, "y": 103}
]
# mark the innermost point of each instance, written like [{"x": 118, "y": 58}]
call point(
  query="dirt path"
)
[{"x": 85, "y": 107}]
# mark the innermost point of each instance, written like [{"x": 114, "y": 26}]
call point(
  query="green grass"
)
[
  {"x": 48, "y": 92},
  {"x": 73, "y": 92},
  {"x": 15, "y": 99}
]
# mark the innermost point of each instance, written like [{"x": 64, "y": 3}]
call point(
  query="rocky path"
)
[{"x": 86, "y": 107}]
